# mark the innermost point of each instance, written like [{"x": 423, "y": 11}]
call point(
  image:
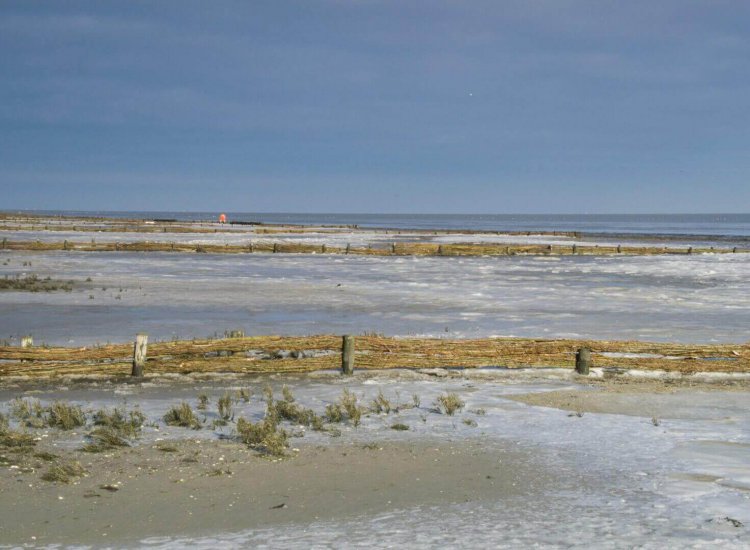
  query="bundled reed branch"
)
[
  {"x": 397, "y": 249},
  {"x": 278, "y": 354}
]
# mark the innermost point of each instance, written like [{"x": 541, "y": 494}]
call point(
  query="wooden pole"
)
[
  {"x": 619, "y": 248},
  {"x": 348, "y": 248},
  {"x": 27, "y": 341},
  {"x": 139, "y": 354},
  {"x": 347, "y": 354},
  {"x": 583, "y": 361}
]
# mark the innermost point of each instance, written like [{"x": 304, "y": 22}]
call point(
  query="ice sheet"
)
[{"x": 702, "y": 298}]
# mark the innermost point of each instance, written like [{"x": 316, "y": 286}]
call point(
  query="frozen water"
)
[{"x": 700, "y": 298}]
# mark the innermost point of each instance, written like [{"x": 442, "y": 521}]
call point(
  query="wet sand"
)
[
  {"x": 658, "y": 399},
  {"x": 203, "y": 487}
]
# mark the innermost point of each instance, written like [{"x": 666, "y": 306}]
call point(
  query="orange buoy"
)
[{"x": 222, "y": 218}]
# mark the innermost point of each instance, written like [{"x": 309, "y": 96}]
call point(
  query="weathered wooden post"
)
[
  {"x": 348, "y": 248},
  {"x": 583, "y": 361},
  {"x": 5, "y": 242},
  {"x": 575, "y": 249},
  {"x": 347, "y": 354},
  {"x": 323, "y": 249},
  {"x": 65, "y": 245},
  {"x": 690, "y": 250},
  {"x": 139, "y": 354},
  {"x": 440, "y": 250},
  {"x": 734, "y": 250},
  {"x": 27, "y": 341},
  {"x": 275, "y": 247},
  {"x": 393, "y": 248},
  {"x": 250, "y": 248},
  {"x": 619, "y": 248}
]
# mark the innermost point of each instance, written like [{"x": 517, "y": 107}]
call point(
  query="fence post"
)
[
  {"x": 27, "y": 341},
  {"x": 347, "y": 354},
  {"x": 348, "y": 248},
  {"x": 619, "y": 248},
  {"x": 139, "y": 354},
  {"x": 583, "y": 361}
]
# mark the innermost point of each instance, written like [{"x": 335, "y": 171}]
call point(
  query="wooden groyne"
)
[
  {"x": 394, "y": 249},
  {"x": 279, "y": 354}
]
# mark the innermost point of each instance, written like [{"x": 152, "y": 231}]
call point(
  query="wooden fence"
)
[{"x": 277, "y": 354}]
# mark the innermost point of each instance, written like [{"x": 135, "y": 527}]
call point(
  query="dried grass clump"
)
[
  {"x": 264, "y": 436},
  {"x": 182, "y": 415},
  {"x": 64, "y": 473},
  {"x": 287, "y": 409},
  {"x": 15, "y": 439},
  {"x": 381, "y": 404},
  {"x": 286, "y": 393},
  {"x": 347, "y": 407},
  {"x": 64, "y": 416},
  {"x": 125, "y": 423},
  {"x": 104, "y": 438},
  {"x": 399, "y": 427},
  {"x": 202, "y": 402},
  {"x": 351, "y": 407},
  {"x": 334, "y": 413},
  {"x": 225, "y": 407},
  {"x": 243, "y": 394},
  {"x": 449, "y": 403},
  {"x": 28, "y": 411}
]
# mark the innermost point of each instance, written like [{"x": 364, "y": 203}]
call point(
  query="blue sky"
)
[{"x": 376, "y": 106}]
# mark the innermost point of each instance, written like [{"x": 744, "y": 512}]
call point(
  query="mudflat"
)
[
  {"x": 193, "y": 487},
  {"x": 647, "y": 398}
]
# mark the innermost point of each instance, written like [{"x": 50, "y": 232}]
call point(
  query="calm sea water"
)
[{"x": 730, "y": 225}]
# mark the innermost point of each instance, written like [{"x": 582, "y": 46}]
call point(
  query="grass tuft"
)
[
  {"x": 264, "y": 436},
  {"x": 225, "y": 407},
  {"x": 381, "y": 404},
  {"x": 399, "y": 427},
  {"x": 104, "y": 438},
  {"x": 243, "y": 394},
  {"x": 126, "y": 423},
  {"x": 28, "y": 411},
  {"x": 449, "y": 403},
  {"x": 64, "y": 473},
  {"x": 182, "y": 415},
  {"x": 64, "y": 416},
  {"x": 202, "y": 402}
]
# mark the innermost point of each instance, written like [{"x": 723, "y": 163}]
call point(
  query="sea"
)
[{"x": 730, "y": 226}]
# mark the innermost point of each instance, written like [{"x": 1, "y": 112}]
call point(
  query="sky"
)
[{"x": 434, "y": 106}]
